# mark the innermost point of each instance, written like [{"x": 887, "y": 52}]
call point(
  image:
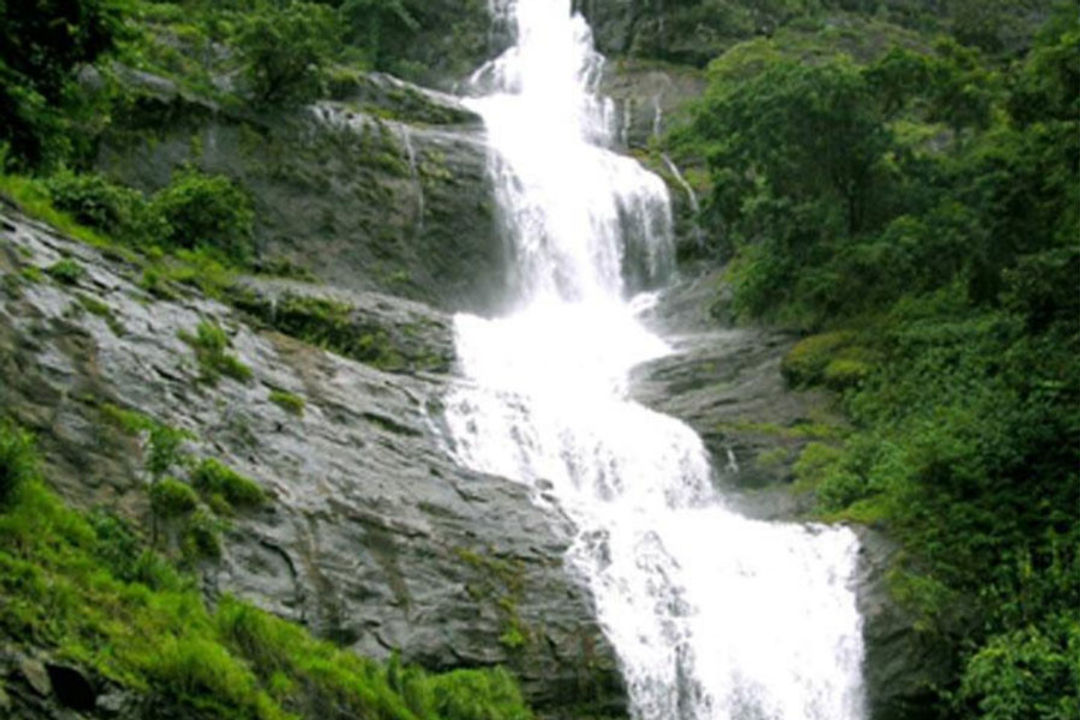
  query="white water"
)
[{"x": 713, "y": 616}]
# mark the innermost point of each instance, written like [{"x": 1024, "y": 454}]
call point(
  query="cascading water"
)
[{"x": 713, "y": 616}]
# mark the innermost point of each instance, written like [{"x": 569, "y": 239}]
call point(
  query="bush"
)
[
  {"x": 210, "y": 343},
  {"x": 215, "y": 478},
  {"x": 170, "y": 498},
  {"x": 18, "y": 461},
  {"x": 806, "y": 362},
  {"x": 42, "y": 45},
  {"x": 285, "y": 50},
  {"x": 202, "y": 536},
  {"x": 66, "y": 271},
  {"x": 290, "y": 403},
  {"x": 95, "y": 202},
  {"x": 206, "y": 211}
]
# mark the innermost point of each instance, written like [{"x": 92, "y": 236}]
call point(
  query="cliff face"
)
[
  {"x": 374, "y": 536},
  {"x": 383, "y": 189}
]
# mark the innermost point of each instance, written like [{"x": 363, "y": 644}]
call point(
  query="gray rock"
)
[
  {"x": 36, "y": 676},
  {"x": 726, "y": 384},
  {"x": 367, "y": 193},
  {"x": 113, "y": 704},
  {"x": 902, "y": 664},
  {"x": 375, "y": 538}
]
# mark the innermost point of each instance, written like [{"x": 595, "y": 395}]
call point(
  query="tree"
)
[
  {"x": 42, "y": 45},
  {"x": 285, "y": 51}
]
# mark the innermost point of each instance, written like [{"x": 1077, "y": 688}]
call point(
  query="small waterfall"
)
[
  {"x": 713, "y": 616},
  {"x": 695, "y": 206},
  {"x": 414, "y": 173}
]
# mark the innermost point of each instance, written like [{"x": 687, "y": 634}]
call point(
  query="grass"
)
[
  {"x": 66, "y": 271},
  {"x": 215, "y": 479},
  {"x": 86, "y": 589},
  {"x": 101, "y": 309},
  {"x": 287, "y": 401},
  {"x": 211, "y": 344}
]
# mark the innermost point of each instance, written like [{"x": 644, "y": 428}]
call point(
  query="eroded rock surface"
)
[
  {"x": 374, "y": 537},
  {"x": 725, "y": 383},
  {"x": 384, "y": 189}
]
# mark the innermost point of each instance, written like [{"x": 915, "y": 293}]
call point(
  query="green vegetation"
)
[
  {"x": 89, "y": 590},
  {"x": 66, "y": 271},
  {"x": 211, "y": 344},
  {"x": 41, "y": 49},
  {"x": 171, "y": 498},
  {"x": 916, "y": 211},
  {"x": 97, "y": 307},
  {"x": 500, "y": 583},
  {"x": 216, "y": 480},
  {"x": 198, "y": 211},
  {"x": 332, "y": 325},
  {"x": 287, "y": 401}
]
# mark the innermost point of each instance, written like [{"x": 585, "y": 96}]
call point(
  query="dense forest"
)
[
  {"x": 896, "y": 182},
  {"x": 913, "y": 209}
]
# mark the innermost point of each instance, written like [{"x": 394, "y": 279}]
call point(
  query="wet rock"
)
[
  {"x": 387, "y": 191},
  {"x": 646, "y": 97},
  {"x": 902, "y": 664},
  {"x": 375, "y": 537},
  {"x": 114, "y": 704},
  {"x": 726, "y": 384},
  {"x": 36, "y": 676}
]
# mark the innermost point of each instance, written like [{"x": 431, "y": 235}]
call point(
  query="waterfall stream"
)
[{"x": 712, "y": 615}]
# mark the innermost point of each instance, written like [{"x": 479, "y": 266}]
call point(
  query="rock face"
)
[
  {"x": 374, "y": 536},
  {"x": 725, "y": 383},
  {"x": 647, "y": 97},
  {"x": 690, "y": 32},
  {"x": 384, "y": 189}
]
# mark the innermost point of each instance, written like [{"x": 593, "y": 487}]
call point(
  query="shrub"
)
[
  {"x": 18, "y": 461},
  {"x": 66, "y": 271},
  {"x": 288, "y": 402},
  {"x": 206, "y": 211},
  {"x": 202, "y": 536},
  {"x": 285, "y": 50},
  {"x": 94, "y": 201},
  {"x": 170, "y": 498},
  {"x": 210, "y": 343},
  {"x": 806, "y": 362},
  {"x": 215, "y": 478}
]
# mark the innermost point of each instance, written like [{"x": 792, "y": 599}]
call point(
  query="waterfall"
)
[{"x": 713, "y": 616}]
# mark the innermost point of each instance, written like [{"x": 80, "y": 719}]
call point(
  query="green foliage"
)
[
  {"x": 95, "y": 202},
  {"x": 287, "y": 401},
  {"x": 331, "y": 324},
  {"x": 18, "y": 463},
  {"x": 164, "y": 442},
  {"x": 919, "y": 214},
  {"x": 211, "y": 344},
  {"x": 170, "y": 498},
  {"x": 199, "y": 211},
  {"x": 67, "y": 271},
  {"x": 86, "y": 588},
  {"x": 42, "y": 45},
  {"x": 1022, "y": 674},
  {"x": 214, "y": 478},
  {"x": 285, "y": 49},
  {"x": 202, "y": 536}
]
